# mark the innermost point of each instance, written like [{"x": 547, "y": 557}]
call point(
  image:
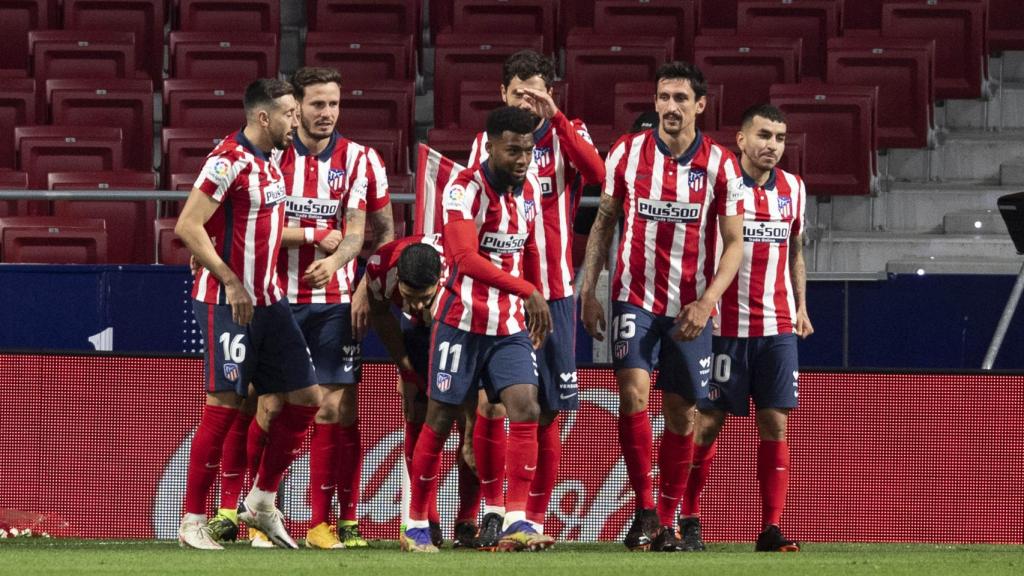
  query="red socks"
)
[
  {"x": 674, "y": 457},
  {"x": 426, "y": 463},
  {"x": 773, "y": 479},
  {"x": 322, "y": 472},
  {"x": 549, "y": 451},
  {"x": 255, "y": 444},
  {"x": 287, "y": 431},
  {"x": 521, "y": 463},
  {"x": 490, "y": 444},
  {"x": 204, "y": 455},
  {"x": 348, "y": 464},
  {"x": 469, "y": 487},
  {"x": 233, "y": 461},
  {"x": 700, "y": 471},
  {"x": 635, "y": 437}
]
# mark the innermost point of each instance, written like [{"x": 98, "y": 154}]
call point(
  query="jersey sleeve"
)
[
  {"x": 375, "y": 275},
  {"x": 458, "y": 199},
  {"x": 801, "y": 201},
  {"x": 377, "y": 196},
  {"x": 729, "y": 187},
  {"x": 478, "y": 152},
  {"x": 219, "y": 173},
  {"x": 579, "y": 147},
  {"x": 615, "y": 170}
]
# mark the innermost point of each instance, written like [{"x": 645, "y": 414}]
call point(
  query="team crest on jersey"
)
[
  {"x": 786, "y": 207},
  {"x": 444, "y": 381},
  {"x": 530, "y": 209},
  {"x": 336, "y": 179},
  {"x": 542, "y": 156},
  {"x": 231, "y": 372},
  {"x": 698, "y": 178}
]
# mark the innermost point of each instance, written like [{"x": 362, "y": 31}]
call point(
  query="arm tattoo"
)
[
  {"x": 600, "y": 240},
  {"x": 383, "y": 227}
]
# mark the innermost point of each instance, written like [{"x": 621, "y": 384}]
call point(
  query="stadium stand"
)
[
  {"x": 363, "y": 58},
  {"x": 203, "y": 103},
  {"x": 170, "y": 249},
  {"x": 143, "y": 18},
  {"x": 814, "y": 21},
  {"x": 387, "y": 143},
  {"x": 243, "y": 15},
  {"x": 53, "y": 240},
  {"x": 453, "y": 143},
  {"x": 1005, "y": 31},
  {"x": 242, "y": 55},
  {"x": 497, "y": 17},
  {"x": 45, "y": 149},
  {"x": 17, "y": 19},
  {"x": 664, "y": 18},
  {"x": 12, "y": 180},
  {"x": 393, "y": 16},
  {"x": 17, "y": 108},
  {"x": 82, "y": 54},
  {"x": 185, "y": 149},
  {"x": 717, "y": 16}
]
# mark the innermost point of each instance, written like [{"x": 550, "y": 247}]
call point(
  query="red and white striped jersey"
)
[
  {"x": 322, "y": 188},
  {"x": 760, "y": 302},
  {"x": 382, "y": 268},
  {"x": 377, "y": 196},
  {"x": 246, "y": 227},
  {"x": 561, "y": 187},
  {"x": 671, "y": 205},
  {"x": 505, "y": 229}
]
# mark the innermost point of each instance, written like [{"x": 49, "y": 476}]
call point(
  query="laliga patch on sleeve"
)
[
  {"x": 736, "y": 189},
  {"x": 455, "y": 198},
  {"x": 219, "y": 171}
]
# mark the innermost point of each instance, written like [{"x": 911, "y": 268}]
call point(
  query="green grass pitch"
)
[{"x": 25, "y": 557}]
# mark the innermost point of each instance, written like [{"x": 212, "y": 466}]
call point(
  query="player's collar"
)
[
  {"x": 498, "y": 186},
  {"x": 300, "y": 146},
  {"x": 686, "y": 156},
  {"x": 248, "y": 145},
  {"x": 751, "y": 183},
  {"x": 542, "y": 131}
]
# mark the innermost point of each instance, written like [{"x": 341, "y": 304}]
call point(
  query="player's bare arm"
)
[
  {"x": 383, "y": 224},
  {"x": 390, "y": 332},
  {"x": 197, "y": 211},
  {"x": 598, "y": 245},
  {"x": 694, "y": 316},
  {"x": 798, "y": 273},
  {"x": 320, "y": 271}
]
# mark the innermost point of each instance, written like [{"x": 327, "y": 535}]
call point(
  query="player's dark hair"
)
[
  {"x": 261, "y": 93},
  {"x": 509, "y": 119},
  {"x": 419, "y": 266},
  {"x": 526, "y": 64},
  {"x": 766, "y": 111},
  {"x": 679, "y": 70},
  {"x": 309, "y": 75}
]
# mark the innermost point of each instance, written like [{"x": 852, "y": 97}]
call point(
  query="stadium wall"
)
[{"x": 96, "y": 446}]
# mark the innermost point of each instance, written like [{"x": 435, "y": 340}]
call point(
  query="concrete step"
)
[
  {"x": 934, "y": 265},
  {"x": 1012, "y": 64},
  {"x": 979, "y": 222},
  {"x": 961, "y": 155},
  {"x": 1011, "y": 173},
  {"x": 908, "y": 206},
  {"x": 1004, "y": 111},
  {"x": 871, "y": 251}
]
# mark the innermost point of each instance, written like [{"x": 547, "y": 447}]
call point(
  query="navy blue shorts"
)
[
  {"x": 765, "y": 369},
  {"x": 270, "y": 352},
  {"x": 417, "y": 346},
  {"x": 327, "y": 329},
  {"x": 642, "y": 340},
  {"x": 556, "y": 360},
  {"x": 463, "y": 362}
]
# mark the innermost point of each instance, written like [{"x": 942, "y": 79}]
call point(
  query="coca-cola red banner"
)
[{"x": 97, "y": 447}]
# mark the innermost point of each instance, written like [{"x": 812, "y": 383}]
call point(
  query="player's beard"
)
[
  {"x": 314, "y": 132},
  {"x": 282, "y": 141},
  {"x": 506, "y": 179}
]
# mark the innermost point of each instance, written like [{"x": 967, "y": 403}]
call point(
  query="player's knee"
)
[
  {"x": 708, "y": 425},
  {"x": 491, "y": 411},
  {"x": 771, "y": 424}
]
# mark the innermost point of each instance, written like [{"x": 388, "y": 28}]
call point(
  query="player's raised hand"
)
[
  {"x": 240, "y": 302},
  {"x": 593, "y": 317},
  {"x": 803, "y": 327},
  {"x": 331, "y": 242},
  {"x": 540, "y": 102},
  {"x": 320, "y": 272},
  {"x": 538, "y": 318},
  {"x": 692, "y": 320}
]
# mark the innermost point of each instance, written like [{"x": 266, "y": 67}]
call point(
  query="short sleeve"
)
[
  {"x": 729, "y": 186},
  {"x": 376, "y": 196},
  {"x": 218, "y": 174},
  {"x": 615, "y": 171}
]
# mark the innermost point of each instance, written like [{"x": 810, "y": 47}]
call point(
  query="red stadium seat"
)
[
  {"x": 185, "y": 149},
  {"x": 17, "y": 19},
  {"x": 382, "y": 105},
  {"x": 1005, "y": 28},
  {"x": 746, "y": 67},
  {"x": 574, "y": 14},
  {"x": 441, "y": 16},
  {"x": 497, "y": 17},
  {"x": 45, "y": 149},
  {"x": 904, "y": 72},
  {"x": 223, "y": 55},
  {"x": 592, "y": 62},
  {"x": 124, "y": 104},
  {"x": 53, "y": 240},
  {"x": 862, "y": 15},
  {"x": 128, "y": 223},
  {"x": 792, "y": 160},
  {"x": 204, "y": 104},
  {"x": 170, "y": 249},
  {"x": 387, "y": 143},
  {"x": 711, "y": 119},
  {"x": 17, "y": 108},
  {"x": 144, "y": 18},
  {"x": 675, "y": 18},
  {"x": 182, "y": 181},
  {"x": 391, "y": 16},
  {"x": 236, "y": 15},
  {"x": 363, "y": 57},
  {"x": 453, "y": 143},
  {"x": 635, "y": 98},
  {"x": 459, "y": 57},
  {"x": 839, "y": 123},
  {"x": 717, "y": 15},
  {"x": 476, "y": 100},
  {"x": 12, "y": 180},
  {"x": 958, "y": 28},
  {"x": 814, "y": 21},
  {"x": 82, "y": 54}
]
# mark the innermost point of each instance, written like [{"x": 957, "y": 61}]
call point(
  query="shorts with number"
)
[
  {"x": 463, "y": 362},
  {"x": 556, "y": 360},
  {"x": 643, "y": 340},
  {"x": 765, "y": 369},
  {"x": 417, "y": 346},
  {"x": 327, "y": 329},
  {"x": 270, "y": 352}
]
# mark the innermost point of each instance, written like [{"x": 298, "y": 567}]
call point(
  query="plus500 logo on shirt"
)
[
  {"x": 664, "y": 211},
  {"x": 503, "y": 243},
  {"x": 311, "y": 207},
  {"x": 774, "y": 232},
  {"x": 274, "y": 193}
]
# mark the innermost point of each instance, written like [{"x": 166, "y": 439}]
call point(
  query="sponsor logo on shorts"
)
[
  {"x": 349, "y": 352},
  {"x": 444, "y": 381},
  {"x": 770, "y": 232},
  {"x": 667, "y": 211},
  {"x": 231, "y": 372},
  {"x": 705, "y": 362},
  {"x": 621, "y": 349},
  {"x": 503, "y": 243},
  {"x": 568, "y": 377},
  {"x": 322, "y": 208}
]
